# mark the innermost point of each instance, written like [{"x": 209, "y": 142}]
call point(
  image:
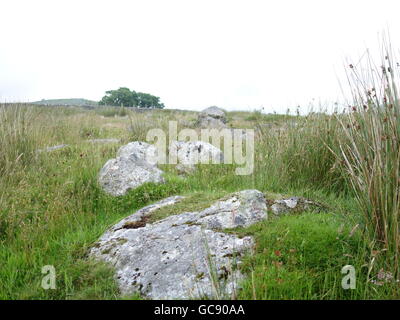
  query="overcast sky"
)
[{"x": 193, "y": 54}]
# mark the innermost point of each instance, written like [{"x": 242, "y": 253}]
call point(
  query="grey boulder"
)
[
  {"x": 212, "y": 117},
  {"x": 215, "y": 112},
  {"x": 133, "y": 166}
]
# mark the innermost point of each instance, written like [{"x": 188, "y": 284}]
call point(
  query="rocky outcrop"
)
[
  {"x": 185, "y": 255},
  {"x": 134, "y": 165},
  {"x": 188, "y": 255},
  {"x": 212, "y": 117}
]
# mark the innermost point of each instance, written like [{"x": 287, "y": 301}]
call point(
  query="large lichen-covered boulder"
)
[
  {"x": 134, "y": 165},
  {"x": 195, "y": 152},
  {"x": 212, "y": 117},
  {"x": 185, "y": 255}
]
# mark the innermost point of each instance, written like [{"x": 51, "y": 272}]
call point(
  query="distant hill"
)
[{"x": 66, "y": 102}]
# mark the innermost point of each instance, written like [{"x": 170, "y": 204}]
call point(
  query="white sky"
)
[{"x": 193, "y": 54}]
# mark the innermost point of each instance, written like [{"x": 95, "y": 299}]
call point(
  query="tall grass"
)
[
  {"x": 370, "y": 151},
  {"x": 299, "y": 156},
  {"x": 112, "y": 111},
  {"x": 17, "y": 140}
]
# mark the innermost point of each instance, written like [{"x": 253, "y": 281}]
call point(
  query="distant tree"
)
[
  {"x": 122, "y": 96},
  {"x": 127, "y": 98},
  {"x": 146, "y": 100}
]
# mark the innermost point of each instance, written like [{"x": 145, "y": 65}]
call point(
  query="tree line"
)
[{"x": 127, "y": 98}]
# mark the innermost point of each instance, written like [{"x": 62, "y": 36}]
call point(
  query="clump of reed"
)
[{"x": 370, "y": 151}]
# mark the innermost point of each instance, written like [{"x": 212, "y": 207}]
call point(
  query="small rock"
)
[
  {"x": 294, "y": 204},
  {"x": 53, "y": 148},
  {"x": 111, "y": 140}
]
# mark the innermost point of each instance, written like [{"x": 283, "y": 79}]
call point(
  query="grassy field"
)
[{"x": 52, "y": 209}]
